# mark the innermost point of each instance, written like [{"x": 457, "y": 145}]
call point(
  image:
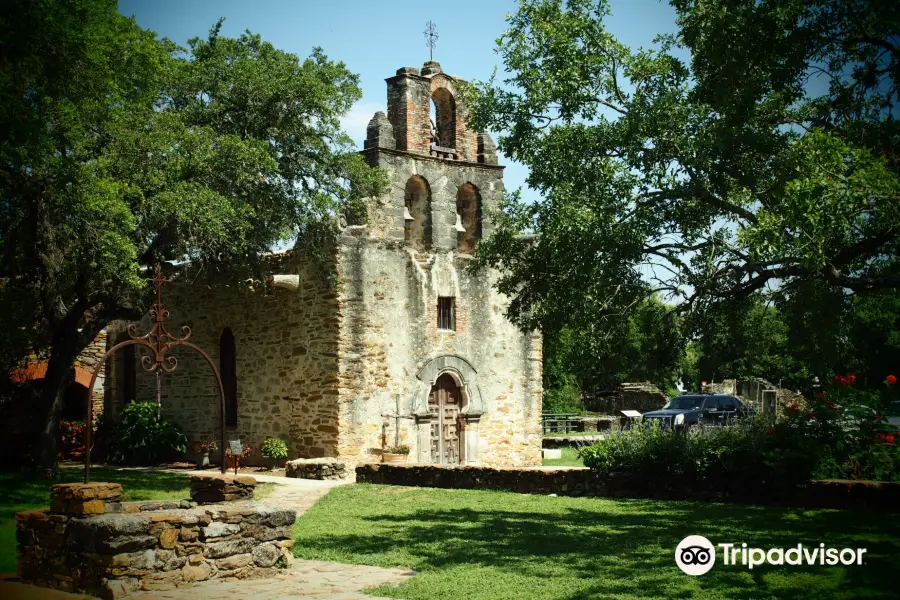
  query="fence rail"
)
[{"x": 561, "y": 422}]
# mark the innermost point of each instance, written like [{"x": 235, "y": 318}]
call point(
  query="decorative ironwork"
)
[
  {"x": 160, "y": 343},
  {"x": 431, "y": 37}
]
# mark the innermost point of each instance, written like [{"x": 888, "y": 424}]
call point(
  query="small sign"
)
[
  {"x": 236, "y": 448},
  {"x": 631, "y": 414}
]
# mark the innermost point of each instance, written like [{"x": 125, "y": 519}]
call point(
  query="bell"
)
[
  {"x": 406, "y": 215},
  {"x": 458, "y": 225}
]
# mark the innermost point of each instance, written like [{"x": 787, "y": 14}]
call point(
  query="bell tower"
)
[{"x": 431, "y": 356}]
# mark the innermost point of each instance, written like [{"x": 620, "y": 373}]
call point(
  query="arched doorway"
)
[{"x": 444, "y": 405}]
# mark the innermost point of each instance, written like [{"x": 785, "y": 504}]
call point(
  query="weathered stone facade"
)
[{"x": 343, "y": 363}]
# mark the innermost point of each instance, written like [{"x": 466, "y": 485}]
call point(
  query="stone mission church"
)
[{"x": 408, "y": 348}]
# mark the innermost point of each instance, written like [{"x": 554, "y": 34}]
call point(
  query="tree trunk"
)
[
  {"x": 59, "y": 369},
  {"x": 65, "y": 346}
]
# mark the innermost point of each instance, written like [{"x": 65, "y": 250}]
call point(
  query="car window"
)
[
  {"x": 711, "y": 403},
  {"x": 684, "y": 403},
  {"x": 727, "y": 404}
]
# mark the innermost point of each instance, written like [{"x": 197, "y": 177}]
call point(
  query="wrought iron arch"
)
[{"x": 160, "y": 342}]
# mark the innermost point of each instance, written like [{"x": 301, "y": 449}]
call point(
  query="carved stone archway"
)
[{"x": 466, "y": 378}]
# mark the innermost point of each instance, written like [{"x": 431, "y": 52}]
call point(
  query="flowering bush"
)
[
  {"x": 245, "y": 451},
  {"x": 401, "y": 449},
  {"x": 837, "y": 434},
  {"x": 71, "y": 438},
  {"x": 205, "y": 446}
]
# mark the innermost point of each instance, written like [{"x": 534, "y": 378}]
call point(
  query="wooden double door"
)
[{"x": 445, "y": 404}]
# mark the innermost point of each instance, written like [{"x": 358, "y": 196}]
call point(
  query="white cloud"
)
[{"x": 355, "y": 121}]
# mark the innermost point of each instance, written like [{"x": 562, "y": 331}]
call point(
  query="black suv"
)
[{"x": 693, "y": 410}]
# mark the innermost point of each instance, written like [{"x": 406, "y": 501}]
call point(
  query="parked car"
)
[
  {"x": 697, "y": 410},
  {"x": 892, "y": 414}
]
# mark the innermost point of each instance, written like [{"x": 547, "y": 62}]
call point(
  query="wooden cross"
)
[{"x": 431, "y": 37}]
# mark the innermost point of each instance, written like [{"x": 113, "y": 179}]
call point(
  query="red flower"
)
[
  {"x": 820, "y": 395},
  {"x": 833, "y": 406},
  {"x": 891, "y": 379}
]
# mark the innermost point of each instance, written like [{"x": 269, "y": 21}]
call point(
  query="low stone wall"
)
[
  {"x": 206, "y": 489},
  {"x": 315, "y": 468},
  {"x": 862, "y": 495},
  {"x": 127, "y": 547}
]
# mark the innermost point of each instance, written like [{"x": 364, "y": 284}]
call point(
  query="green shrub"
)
[
  {"x": 143, "y": 438},
  {"x": 822, "y": 441},
  {"x": 274, "y": 448},
  {"x": 563, "y": 400}
]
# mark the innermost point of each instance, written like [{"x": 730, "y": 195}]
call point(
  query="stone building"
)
[{"x": 403, "y": 345}]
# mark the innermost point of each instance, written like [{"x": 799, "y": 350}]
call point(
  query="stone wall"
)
[
  {"x": 143, "y": 547},
  {"x": 286, "y": 357},
  {"x": 751, "y": 392},
  {"x": 860, "y": 495},
  {"x": 642, "y": 397}
]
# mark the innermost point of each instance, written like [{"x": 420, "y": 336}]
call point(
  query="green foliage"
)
[
  {"x": 144, "y": 438},
  {"x": 819, "y": 442},
  {"x": 274, "y": 448},
  {"x": 121, "y": 150},
  {"x": 647, "y": 345},
  {"x": 563, "y": 400},
  {"x": 709, "y": 179}
]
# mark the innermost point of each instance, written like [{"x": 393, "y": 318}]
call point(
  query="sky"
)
[{"x": 374, "y": 38}]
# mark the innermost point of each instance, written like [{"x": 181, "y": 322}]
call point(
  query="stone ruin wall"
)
[
  {"x": 89, "y": 541},
  {"x": 750, "y": 391},
  {"x": 642, "y": 397},
  {"x": 286, "y": 359}
]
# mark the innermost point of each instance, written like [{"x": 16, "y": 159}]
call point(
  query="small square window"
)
[{"x": 447, "y": 313}]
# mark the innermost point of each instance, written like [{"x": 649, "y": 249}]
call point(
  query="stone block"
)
[
  {"x": 552, "y": 453},
  {"x": 197, "y": 572},
  {"x": 316, "y": 468},
  {"x": 84, "y": 498},
  {"x": 209, "y": 489},
  {"x": 266, "y": 555}
]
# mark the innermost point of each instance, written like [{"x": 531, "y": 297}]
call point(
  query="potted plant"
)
[
  {"x": 395, "y": 453},
  {"x": 205, "y": 448},
  {"x": 276, "y": 449}
]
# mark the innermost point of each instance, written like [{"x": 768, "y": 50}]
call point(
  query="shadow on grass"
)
[{"x": 608, "y": 549}]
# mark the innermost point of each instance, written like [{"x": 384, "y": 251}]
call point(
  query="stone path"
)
[{"x": 304, "y": 580}]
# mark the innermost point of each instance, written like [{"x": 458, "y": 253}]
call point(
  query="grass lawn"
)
[
  {"x": 569, "y": 458},
  {"x": 18, "y": 493},
  {"x": 500, "y": 545}
]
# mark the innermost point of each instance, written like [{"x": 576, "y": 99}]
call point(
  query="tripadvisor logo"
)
[{"x": 696, "y": 555}]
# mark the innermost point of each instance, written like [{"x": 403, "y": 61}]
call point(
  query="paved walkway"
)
[{"x": 304, "y": 580}]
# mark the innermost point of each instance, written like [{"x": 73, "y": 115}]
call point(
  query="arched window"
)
[
  {"x": 417, "y": 224},
  {"x": 126, "y": 371},
  {"x": 468, "y": 207},
  {"x": 228, "y": 371},
  {"x": 443, "y": 107}
]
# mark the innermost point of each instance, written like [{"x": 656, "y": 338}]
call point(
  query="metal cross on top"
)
[{"x": 431, "y": 37}]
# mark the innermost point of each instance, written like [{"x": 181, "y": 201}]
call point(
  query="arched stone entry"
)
[{"x": 447, "y": 409}]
